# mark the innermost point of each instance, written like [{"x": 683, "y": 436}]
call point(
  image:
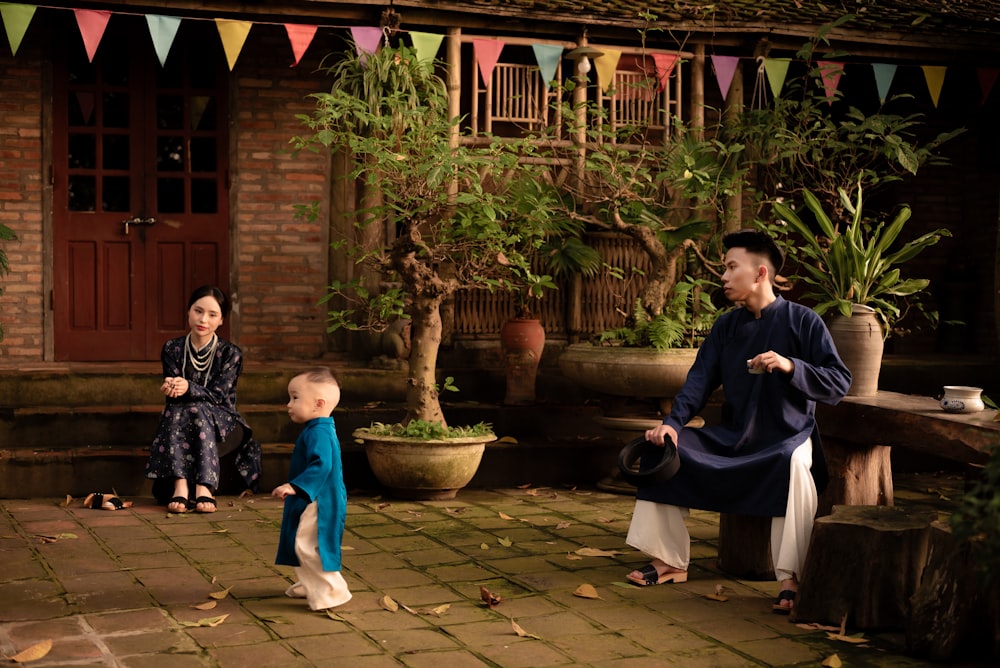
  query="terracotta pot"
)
[
  {"x": 415, "y": 468},
  {"x": 522, "y": 341},
  {"x": 860, "y": 344}
]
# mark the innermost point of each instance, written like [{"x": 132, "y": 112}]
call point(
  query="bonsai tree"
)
[
  {"x": 856, "y": 260},
  {"x": 439, "y": 216},
  {"x": 671, "y": 199}
]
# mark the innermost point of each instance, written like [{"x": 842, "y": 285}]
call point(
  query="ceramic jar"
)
[{"x": 962, "y": 399}]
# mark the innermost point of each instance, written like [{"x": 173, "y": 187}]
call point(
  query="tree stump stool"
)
[
  {"x": 864, "y": 562},
  {"x": 745, "y": 546}
]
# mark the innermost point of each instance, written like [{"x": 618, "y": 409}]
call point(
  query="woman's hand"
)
[
  {"x": 174, "y": 387},
  {"x": 281, "y": 491}
]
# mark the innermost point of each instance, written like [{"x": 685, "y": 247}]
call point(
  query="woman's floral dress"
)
[{"x": 193, "y": 427}]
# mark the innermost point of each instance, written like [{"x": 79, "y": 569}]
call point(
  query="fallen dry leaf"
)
[
  {"x": 220, "y": 531},
  {"x": 574, "y": 557},
  {"x": 719, "y": 594},
  {"x": 484, "y": 546},
  {"x": 209, "y": 622},
  {"x": 440, "y": 610},
  {"x": 221, "y": 594},
  {"x": 33, "y": 653},
  {"x": 505, "y": 541},
  {"x": 563, "y": 525},
  {"x": 832, "y": 661},
  {"x": 389, "y": 604},
  {"x": 525, "y": 486},
  {"x": 380, "y": 506},
  {"x": 346, "y": 547},
  {"x": 505, "y": 516},
  {"x": 333, "y": 615},
  {"x": 414, "y": 530},
  {"x": 489, "y": 598},
  {"x": 65, "y": 504},
  {"x": 408, "y": 609},
  {"x": 521, "y": 632},
  {"x": 604, "y": 520},
  {"x": 507, "y": 439},
  {"x": 594, "y": 552},
  {"x": 586, "y": 591},
  {"x": 856, "y": 639},
  {"x": 245, "y": 493},
  {"x": 205, "y": 606},
  {"x": 415, "y": 513},
  {"x": 813, "y": 626},
  {"x": 455, "y": 511}
]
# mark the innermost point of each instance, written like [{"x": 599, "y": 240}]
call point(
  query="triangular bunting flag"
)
[
  {"x": 606, "y": 66},
  {"x": 300, "y": 36},
  {"x": 777, "y": 71},
  {"x": 547, "y": 56},
  {"x": 16, "y": 19},
  {"x": 987, "y": 77},
  {"x": 199, "y": 103},
  {"x": 884, "y": 74},
  {"x": 831, "y": 72},
  {"x": 665, "y": 63},
  {"x": 366, "y": 39},
  {"x": 487, "y": 54},
  {"x": 92, "y": 23},
  {"x": 234, "y": 35},
  {"x": 934, "y": 75},
  {"x": 163, "y": 30},
  {"x": 426, "y": 46},
  {"x": 725, "y": 68}
]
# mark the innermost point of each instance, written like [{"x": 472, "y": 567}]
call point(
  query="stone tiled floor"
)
[{"x": 119, "y": 588}]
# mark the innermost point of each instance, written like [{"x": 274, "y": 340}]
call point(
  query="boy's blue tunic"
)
[
  {"x": 317, "y": 474},
  {"x": 742, "y": 465}
]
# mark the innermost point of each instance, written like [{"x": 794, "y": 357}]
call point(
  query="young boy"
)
[{"x": 312, "y": 525}]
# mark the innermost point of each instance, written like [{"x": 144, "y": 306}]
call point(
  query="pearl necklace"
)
[{"x": 201, "y": 362}]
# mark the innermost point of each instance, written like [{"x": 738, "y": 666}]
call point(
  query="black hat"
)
[
  {"x": 755, "y": 241},
  {"x": 655, "y": 464}
]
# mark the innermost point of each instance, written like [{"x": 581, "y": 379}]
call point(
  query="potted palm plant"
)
[
  {"x": 851, "y": 268},
  {"x": 439, "y": 216}
]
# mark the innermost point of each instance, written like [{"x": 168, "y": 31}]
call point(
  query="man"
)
[{"x": 774, "y": 359}]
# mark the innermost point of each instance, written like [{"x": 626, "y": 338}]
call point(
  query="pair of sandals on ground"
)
[
  {"x": 658, "y": 572},
  {"x": 181, "y": 501}
]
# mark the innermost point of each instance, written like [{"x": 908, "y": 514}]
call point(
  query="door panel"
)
[{"x": 140, "y": 199}]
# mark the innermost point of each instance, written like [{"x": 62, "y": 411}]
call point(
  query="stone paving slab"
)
[{"x": 119, "y": 589}]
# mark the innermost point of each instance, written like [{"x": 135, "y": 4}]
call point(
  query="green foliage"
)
[
  {"x": 684, "y": 322},
  {"x": 977, "y": 519},
  {"x": 430, "y": 430},
  {"x": 855, "y": 261},
  {"x": 800, "y": 142}
]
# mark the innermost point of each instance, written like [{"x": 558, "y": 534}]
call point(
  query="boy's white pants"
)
[
  {"x": 658, "y": 529},
  {"x": 321, "y": 589}
]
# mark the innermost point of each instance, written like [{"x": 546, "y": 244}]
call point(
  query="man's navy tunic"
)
[{"x": 742, "y": 465}]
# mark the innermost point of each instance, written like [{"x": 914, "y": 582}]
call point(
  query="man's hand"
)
[
  {"x": 770, "y": 362},
  {"x": 658, "y": 434}
]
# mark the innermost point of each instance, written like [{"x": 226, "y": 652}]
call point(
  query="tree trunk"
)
[
  {"x": 859, "y": 476},
  {"x": 864, "y": 562},
  {"x": 422, "y": 401},
  {"x": 955, "y": 613}
]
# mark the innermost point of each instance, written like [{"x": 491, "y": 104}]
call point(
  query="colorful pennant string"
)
[
  {"x": 15, "y": 20},
  {"x": 487, "y": 54},
  {"x": 300, "y": 36},
  {"x": 163, "y": 30},
  {"x": 725, "y": 68},
  {"x": 92, "y": 24}
]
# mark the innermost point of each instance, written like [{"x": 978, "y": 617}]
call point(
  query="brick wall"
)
[
  {"x": 281, "y": 267},
  {"x": 21, "y": 304}
]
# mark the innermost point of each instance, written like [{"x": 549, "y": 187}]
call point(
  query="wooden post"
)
[{"x": 859, "y": 475}]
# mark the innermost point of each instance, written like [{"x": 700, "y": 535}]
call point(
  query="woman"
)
[{"x": 199, "y": 423}]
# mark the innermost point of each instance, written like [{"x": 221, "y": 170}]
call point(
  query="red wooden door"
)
[{"x": 140, "y": 200}]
